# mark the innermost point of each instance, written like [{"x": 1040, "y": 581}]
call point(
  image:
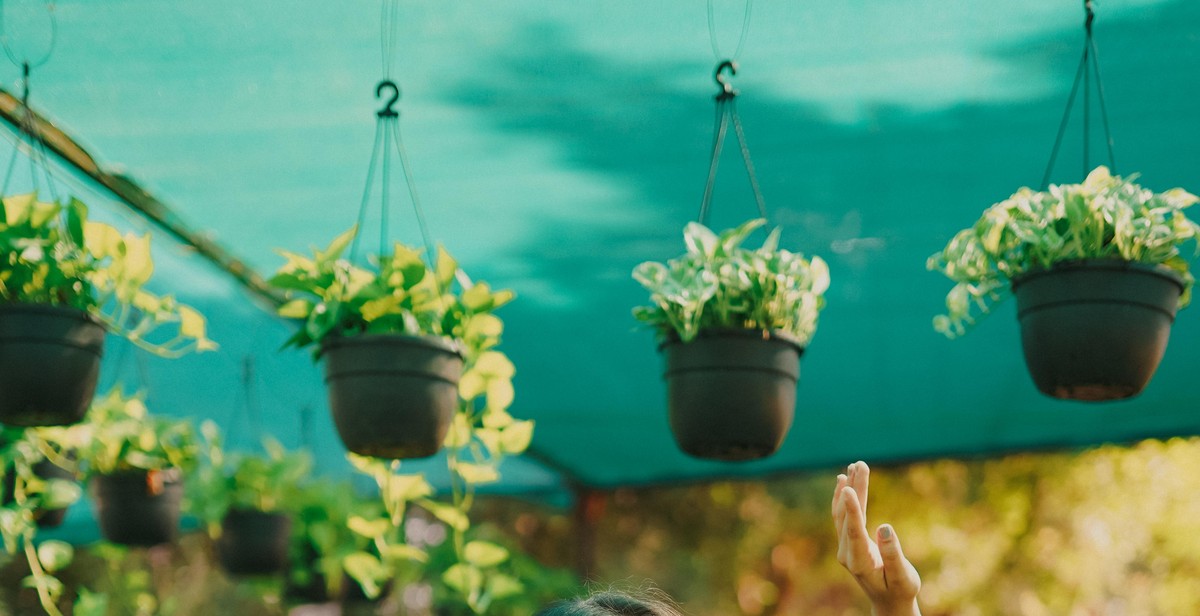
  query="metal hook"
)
[
  {"x": 387, "y": 111},
  {"x": 727, "y": 90}
]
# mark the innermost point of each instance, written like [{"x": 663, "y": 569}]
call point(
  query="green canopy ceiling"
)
[{"x": 558, "y": 144}]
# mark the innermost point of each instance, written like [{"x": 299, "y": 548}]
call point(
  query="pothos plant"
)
[
  {"x": 124, "y": 436},
  {"x": 20, "y": 451},
  {"x": 322, "y": 538},
  {"x": 399, "y": 293},
  {"x": 271, "y": 482},
  {"x": 53, "y": 254},
  {"x": 720, "y": 284},
  {"x": 1105, "y": 217}
]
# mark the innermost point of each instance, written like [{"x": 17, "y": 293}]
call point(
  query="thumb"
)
[{"x": 895, "y": 566}]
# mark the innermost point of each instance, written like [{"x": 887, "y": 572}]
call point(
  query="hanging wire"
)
[
  {"x": 366, "y": 198},
  {"x": 247, "y": 411},
  {"x": 712, "y": 32},
  {"x": 726, "y": 113},
  {"x": 37, "y": 153},
  {"x": 249, "y": 398},
  {"x": 412, "y": 193},
  {"x": 1089, "y": 64},
  {"x": 12, "y": 55},
  {"x": 387, "y": 140}
]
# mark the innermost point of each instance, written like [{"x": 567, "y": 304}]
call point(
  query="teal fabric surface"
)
[{"x": 558, "y": 144}]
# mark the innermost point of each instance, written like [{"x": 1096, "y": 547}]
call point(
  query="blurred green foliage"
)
[{"x": 1111, "y": 530}]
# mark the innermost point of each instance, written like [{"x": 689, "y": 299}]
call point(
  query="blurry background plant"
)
[
  {"x": 1105, "y": 217},
  {"x": 1062, "y": 533},
  {"x": 720, "y": 284},
  {"x": 20, "y": 452},
  {"x": 322, "y": 539},
  {"x": 124, "y": 436},
  {"x": 272, "y": 481},
  {"x": 52, "y": 254}
]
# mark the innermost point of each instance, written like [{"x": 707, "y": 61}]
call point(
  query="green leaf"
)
[
  {"x": 516, "y": 438},
  {"x": 478, "y": 298},
  {"x": 484, "y": 554},
  {"x": 296, "y": 308},
  {"x": 449, "y": 514},
  {"x": 699, "y": 239},
  {"x": 367, "y": 570},
  {"x": 55, "y": 555},
  {"x": 77, "y": 213},
  {"x": 60, "y": 493},
  {"x": 409, "y": 487},
  {"x": 191, "y": 323},
  {"x": 464, "y": 578},
  {"x": 368, "y": 528},
  {"x": 459, "y": 434},
  {"x": 54, "y": 586},
  {"x": 405, "y": 553},
  {"x": 338, "y": 245},
  {"x": 502, "y": 586},
  {"x": 477, "y": 473},
  {"x": 90, "y": 603}
]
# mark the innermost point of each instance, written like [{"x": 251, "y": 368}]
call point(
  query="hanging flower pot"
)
[
  {"x": 64, "y": 276},
  {"x": 136, "y": 462},
  {"x": 391, "y": 342},
  {"x": 253, "y": 542},
  {"x": 49, "y": 363},
  {"x": 734, "y": 322},
  {"x": 1097, "y": 273},
  {"x": 392, "y": 396},
  {"x": 138, "y": 508},
  {"x": 1095, "y": 329},
  {"x": 731, "y": 393}
]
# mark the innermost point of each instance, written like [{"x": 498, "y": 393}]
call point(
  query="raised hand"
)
[{"x": 879, "y": 565}]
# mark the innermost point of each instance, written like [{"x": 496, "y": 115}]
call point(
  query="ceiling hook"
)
[
  {"x": 727, "y": 90},
  {"x": 388, "y": 111}
]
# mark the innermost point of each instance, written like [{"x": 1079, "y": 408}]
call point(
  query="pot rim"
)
[
  {"x": 1114, "y": 265},
  {"x": 735, "y": 332},
  {"x": 170, "y": 474},
  {"x": 57, "y": 310},
  {"x": 430, "y": 341}
]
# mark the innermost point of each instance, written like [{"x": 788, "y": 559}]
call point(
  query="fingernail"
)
[{"x": 885, "y": 532}]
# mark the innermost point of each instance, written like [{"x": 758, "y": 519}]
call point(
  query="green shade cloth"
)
[{"x": 558, "y": 144}]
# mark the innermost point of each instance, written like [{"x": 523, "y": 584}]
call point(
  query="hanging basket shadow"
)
[
  {"x": 731, "y": 394},
  {"x": 1095, "y": 330},
  {"x": 138, "y": 508},
  {"x": 392, "y": 395},
  {"x": 49, "y": 364},
  {"x": 254, "y": 542}
]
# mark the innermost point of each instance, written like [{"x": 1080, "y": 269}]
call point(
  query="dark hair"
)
[{"x": 610, "y": 604}]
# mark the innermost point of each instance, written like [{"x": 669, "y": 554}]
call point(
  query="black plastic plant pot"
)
[
  {"x": 138, "y": 508},
  {"x": 1095, "y": 330},
  {"x": 49, "y": 363},
  {"x": 392, "y": 396},
  {"x": 45, "y": 518},
  {"x": 731, "y": 394},
  {"x": 254, "y": 542}
]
